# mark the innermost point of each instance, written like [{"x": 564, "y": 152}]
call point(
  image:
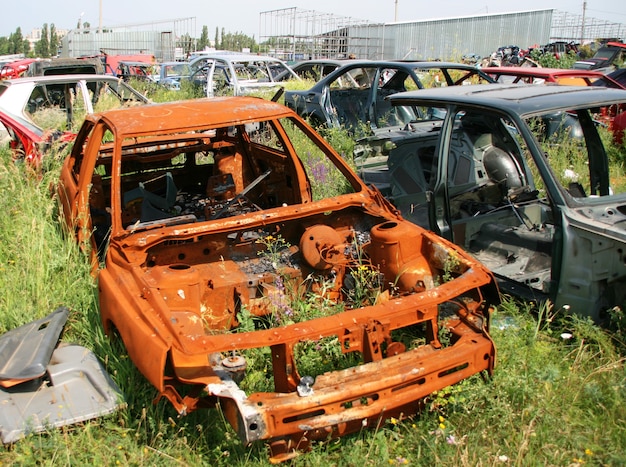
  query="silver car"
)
[{"x": 236, "y": 74}]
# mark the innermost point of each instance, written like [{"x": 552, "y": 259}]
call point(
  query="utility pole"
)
[
  {"x": 100, "y": 16},
  {"x": 582, "y": 27},
  {"x": 395, "y": 17}
]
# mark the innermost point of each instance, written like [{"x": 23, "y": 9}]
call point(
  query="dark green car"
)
[{"x": 525, "y": 177}]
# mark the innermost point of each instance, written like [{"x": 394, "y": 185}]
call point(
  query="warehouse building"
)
[{"x": 295, "y": 33}]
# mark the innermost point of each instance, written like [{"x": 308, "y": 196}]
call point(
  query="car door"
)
[
  {"x": 390, "y": 80},
  {"x": 84, "y": 188},
  {"x": 349, "y": 96}
]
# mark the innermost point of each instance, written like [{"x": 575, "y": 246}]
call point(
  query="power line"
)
[{"x": 607, "y": 12}]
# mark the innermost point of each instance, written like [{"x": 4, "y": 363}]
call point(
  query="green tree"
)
[
  {"x": 42, "y": 46},
  {"x": 5, "y": 45},
  {"x": 204, "y": 38},
  {"x": 26, "y": 48},
  {"x": 238, "y": 41},
  {"x": 217, "y": 38},
  {"x": 185, "y": 42},
  {"x": 16, "y": 41},
  {"x": 54, "y": 40}
]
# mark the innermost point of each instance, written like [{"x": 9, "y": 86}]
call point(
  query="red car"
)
[
  {"x": 15, "y": 69},
  {"x": 37, "y": 110},
  {"x": 614, "y": 117},
  {"x": 26, "y": 140},
  {"x": 538, "y": 75}
]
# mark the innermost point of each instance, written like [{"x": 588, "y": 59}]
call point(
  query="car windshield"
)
[
  {"x": 181, "y": 69},
  {"x": 207, "y": 175}
]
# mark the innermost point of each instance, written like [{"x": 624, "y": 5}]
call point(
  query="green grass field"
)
[{"x": 551, "y": 401}]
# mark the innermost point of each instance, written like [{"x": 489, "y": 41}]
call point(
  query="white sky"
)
[{"x": 243, "y": 15}]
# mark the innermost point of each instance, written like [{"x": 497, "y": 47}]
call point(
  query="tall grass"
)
[{"x": 553, "y": 399}]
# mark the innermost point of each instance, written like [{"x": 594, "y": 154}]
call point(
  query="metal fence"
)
[{"x": 165, "y": 40}]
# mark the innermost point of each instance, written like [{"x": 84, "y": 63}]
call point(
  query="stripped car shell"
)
[
  {"x": 354, "y": 95},
  {"x": 182, "y": 270},
  {"x": 521, "y": 177},
  {"x": 223, "y": 73}
]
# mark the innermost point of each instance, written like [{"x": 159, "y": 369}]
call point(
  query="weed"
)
[
  {"x": 550, "y": 401},
  {"x": 275, "y": 246}
]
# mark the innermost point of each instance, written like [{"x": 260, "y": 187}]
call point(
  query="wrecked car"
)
[
  {"x": 137, "y": 70},
  {"x": 541, "y": 75},
  {"x": 237, "y": 74},
  {"x": 26, "y": 140},
  {"x": 518, "y": 176},
  {"x": 605, "y": 60},
  {"x": 172, "y": 73},
  {"x": 353, "y": 96},
  {"x": 66, "y": 66},
  {"x": 16, "y": 68},
  {"x": 43, "y": 108},
  {"x": 245, "y": 265}
]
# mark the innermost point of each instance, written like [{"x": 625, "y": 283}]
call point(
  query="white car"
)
[
  {"x": 64, "y": 100},
  {"x": 236, "y": 74}
]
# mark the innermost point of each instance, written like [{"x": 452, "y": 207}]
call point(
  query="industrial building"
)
[
  {"x": 165, "y": 40},
  {"x": 295, "y": 33}
]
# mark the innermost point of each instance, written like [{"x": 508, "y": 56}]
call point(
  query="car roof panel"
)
[{"x": 521, "y": 99}]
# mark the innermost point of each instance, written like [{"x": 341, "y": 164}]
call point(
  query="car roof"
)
[
  {"x": 591, "y": 76},
  {"x": 61, "y": 78},
  {"x": 332, "y": 61},
  {"x": 522, "y": 99},
  {"x": 408, "y": 65},
  {"x": 190, "y": 114},
  {"x": 235, "y": 57},
  {"x": 137, "y": 63},
  {"x": 540, "y": 71}
]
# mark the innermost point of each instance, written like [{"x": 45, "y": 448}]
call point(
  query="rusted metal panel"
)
[{"x": 221, "y": 273}]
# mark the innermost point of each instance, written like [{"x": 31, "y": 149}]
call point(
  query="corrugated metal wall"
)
[
  {"x": 449, "y": 39},
  {"x": 160, "y": 38},
  {"x": 76, "y": 44}
]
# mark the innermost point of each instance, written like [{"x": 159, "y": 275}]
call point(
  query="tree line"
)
[{"x": 48, "y": 45}]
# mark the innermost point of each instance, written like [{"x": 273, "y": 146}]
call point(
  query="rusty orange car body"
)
[{"x": 181, "y": 204}]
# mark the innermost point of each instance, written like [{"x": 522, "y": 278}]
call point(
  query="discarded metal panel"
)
[
  {"x": 26, "y": 351},
  {"x": 76, "y": 388},
  {"x": 43, "y": 386}
]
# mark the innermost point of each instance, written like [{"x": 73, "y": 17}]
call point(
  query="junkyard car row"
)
[{"x": 211, "y": 222}]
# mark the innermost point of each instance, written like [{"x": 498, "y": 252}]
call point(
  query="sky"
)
[{"x": 243, "y": 15}]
